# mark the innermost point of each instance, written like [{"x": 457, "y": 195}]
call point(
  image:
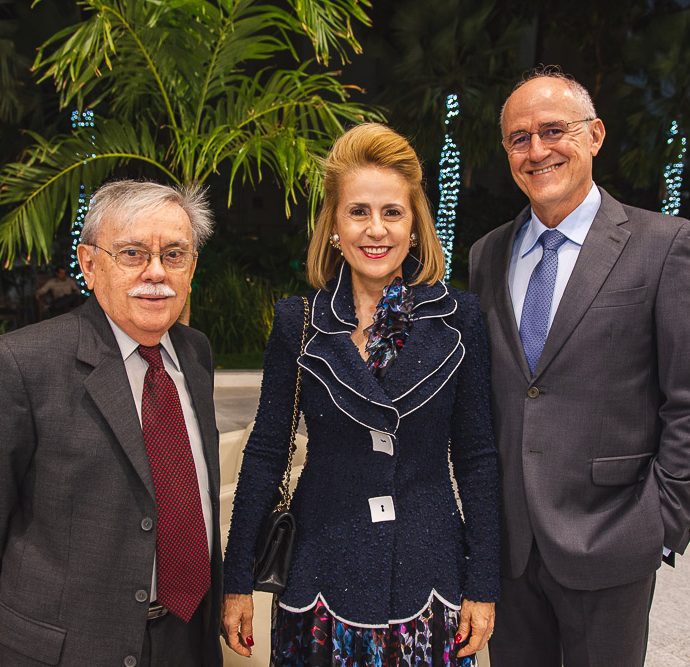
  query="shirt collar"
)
[
  {"x": 128, "y": 346},
  {"x": 574, "y": 226}
]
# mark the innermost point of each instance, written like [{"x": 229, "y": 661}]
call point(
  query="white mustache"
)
[{"x": 152, "y": 289}]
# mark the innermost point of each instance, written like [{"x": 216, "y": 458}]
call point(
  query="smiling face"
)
[
  {"x": 374, "y": 222},
  {"x": 144, "y": 302},
  {"x": 555, "y": 178}
]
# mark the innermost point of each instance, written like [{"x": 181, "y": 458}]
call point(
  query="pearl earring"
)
[{"x": 334, "y": 240}]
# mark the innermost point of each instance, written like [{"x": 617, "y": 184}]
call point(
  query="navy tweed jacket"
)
[{"x": 377, "y": 446}]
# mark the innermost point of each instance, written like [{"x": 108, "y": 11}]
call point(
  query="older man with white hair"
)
[{"x": 109, "y": 474}]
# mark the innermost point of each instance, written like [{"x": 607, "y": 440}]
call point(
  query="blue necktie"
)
[{"x": 534, "y": 323}]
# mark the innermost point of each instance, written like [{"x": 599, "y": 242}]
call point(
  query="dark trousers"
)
[
  {"x": 170, "y": 642},
  {"x": 540, "y": 623}
]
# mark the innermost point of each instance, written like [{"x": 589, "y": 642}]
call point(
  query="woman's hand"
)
[
  {"x": 477, "y": 621},
  {"x": 238, "y": 611}
]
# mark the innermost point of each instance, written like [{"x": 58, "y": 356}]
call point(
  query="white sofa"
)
[{"x": 231, "y": 448}]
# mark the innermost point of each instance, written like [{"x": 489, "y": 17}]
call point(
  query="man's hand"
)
[
  {"x": 238, "y": 611},
  {"x": 477, "y": 621}
]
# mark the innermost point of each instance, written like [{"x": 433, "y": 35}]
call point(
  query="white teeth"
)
[
  {"x": 375, "y": 251},
  {"x": 553, "y": 167}
]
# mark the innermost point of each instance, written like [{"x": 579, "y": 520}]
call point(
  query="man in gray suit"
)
[
  {"x": 109, "y": 473},
  {"x": 587, "y": 304}
]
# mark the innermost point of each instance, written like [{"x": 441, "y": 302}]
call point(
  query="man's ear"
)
[
  {"x": 598, "y": 133},
  {"x": 87, "y": 262}
]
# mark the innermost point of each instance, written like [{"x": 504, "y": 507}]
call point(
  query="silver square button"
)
[
  {"x": 382, "y": 442},
  {"x": 382, "y": 509}
]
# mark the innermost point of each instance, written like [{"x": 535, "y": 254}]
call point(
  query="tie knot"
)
[
  {"x": 552, "y": 239},
  {"x": 151, "y": 355}
]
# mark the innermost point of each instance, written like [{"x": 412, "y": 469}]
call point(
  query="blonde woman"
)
[{"x": 386, "y": 569}]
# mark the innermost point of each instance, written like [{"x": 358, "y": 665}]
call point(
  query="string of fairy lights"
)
[
  {"x": 449, "y": 185},
  {"x": 673, "y": 174},
  {"x": 80, "y": 119}
]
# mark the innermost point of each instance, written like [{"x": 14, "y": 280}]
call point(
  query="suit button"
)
[
  {"x": 533, "y": 392},
  {"x": 130, "y": 661},
  {"x": 141, "y": 595},
  {"x": 146, "y": 523}
]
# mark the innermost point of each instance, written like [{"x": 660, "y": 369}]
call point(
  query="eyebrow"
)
[
  {"x": 544, "y": 124},
  {"x": 367, "y": 205},
  {"x": 133, "y": 242}
]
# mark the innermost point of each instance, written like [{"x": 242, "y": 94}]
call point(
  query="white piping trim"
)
[
  {"x": 367, "y": 426},
  {"x": 438, "y": 298},
  {"x": 443, "y": 384},
  {"x": 425, "y": 378},
  {"x": 354, "y": 391},
  {"x": 357, "y": 624},
  {"x": 335, "y": 292},
  {"x": 313, "y": 312},
  {"x": 430, "y": 317}
]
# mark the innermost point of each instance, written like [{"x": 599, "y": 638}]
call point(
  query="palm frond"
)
[
  {"x": 48, "y": 181},
  {"x": 328, "y": 24}
]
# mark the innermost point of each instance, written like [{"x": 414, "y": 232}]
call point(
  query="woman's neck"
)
[{"x": 366, "y": 295}]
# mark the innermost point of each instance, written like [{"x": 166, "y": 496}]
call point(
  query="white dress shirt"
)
[{"x": 136, "y": 371}]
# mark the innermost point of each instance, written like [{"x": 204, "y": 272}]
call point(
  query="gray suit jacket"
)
[
  {"x": 595, "y": 448},
  {"x": 76, "y": 489}
]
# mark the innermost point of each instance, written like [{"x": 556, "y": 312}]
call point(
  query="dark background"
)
[{"x": 631, "y": 55}]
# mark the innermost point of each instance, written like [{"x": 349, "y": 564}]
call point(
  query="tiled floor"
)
[{"x": 237, "y": 396}]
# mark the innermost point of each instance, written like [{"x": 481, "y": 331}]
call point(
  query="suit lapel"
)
[
  {"x": 334, "y": 360},
  {"x": 432, "y": 353},
  {"x": 197, "y": 378},
  {"x": 421, "y": 369},
  {"x": 502, "y": 254},
  {"x": 108, "y": 386},
  {"x": 603, "y": 246}
]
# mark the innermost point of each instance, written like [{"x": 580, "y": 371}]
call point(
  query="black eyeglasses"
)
[
  {"x": 174, "y": 259},
  {"x": 549, "y": 134}
]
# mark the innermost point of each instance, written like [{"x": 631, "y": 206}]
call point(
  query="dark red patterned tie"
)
[{"x": 183, "y": 565}]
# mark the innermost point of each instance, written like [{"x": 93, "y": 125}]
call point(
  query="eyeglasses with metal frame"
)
[
  {"x": 549, "y": 134},
  {"x": 173, "y": 259}
]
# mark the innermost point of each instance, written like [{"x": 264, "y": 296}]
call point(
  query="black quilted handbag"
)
[{"x": 277, "y": 537}]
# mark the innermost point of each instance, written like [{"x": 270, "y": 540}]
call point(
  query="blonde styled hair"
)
[{"x": 373, "y": 145}]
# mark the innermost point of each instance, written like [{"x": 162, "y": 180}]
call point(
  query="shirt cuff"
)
[{"x": 667, "y": 552}]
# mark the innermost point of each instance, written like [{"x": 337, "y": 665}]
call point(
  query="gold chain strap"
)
[{"x": 286, "y": 496}]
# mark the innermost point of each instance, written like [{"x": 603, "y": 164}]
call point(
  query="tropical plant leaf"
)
[
  {"x": 192, "y": 88},
  {"x": 48, "y": 182}
]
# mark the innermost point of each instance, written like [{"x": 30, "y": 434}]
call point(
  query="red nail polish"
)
[
  {"x": 249, "y": 641},
  {"x": 458, "y": 638}
]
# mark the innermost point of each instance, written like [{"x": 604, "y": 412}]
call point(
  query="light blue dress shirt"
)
[{"x": 527, "y": 252}]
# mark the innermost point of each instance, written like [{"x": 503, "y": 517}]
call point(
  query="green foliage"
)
[
  {"x": 656, "y": 92},
  {"x": 235, "y": 310},
  {"x": 452, "y": 46},
  {"x": 186, "y": 89}
]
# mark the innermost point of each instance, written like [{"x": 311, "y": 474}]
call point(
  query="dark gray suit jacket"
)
[
  {"x": 76, "y": 489},
  {"x": 595, "y": 448}
]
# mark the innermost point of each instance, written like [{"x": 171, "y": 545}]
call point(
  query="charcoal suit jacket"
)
[
  {"x": 595, "y": 445},
  {"x": 77, "y": 508}
]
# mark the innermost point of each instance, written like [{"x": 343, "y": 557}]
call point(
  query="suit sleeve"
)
[
  {"x": 672, "y": 465},
  {"x": 17, "y": 438},
  {"x": 474, "y": 458},
  {"x": 266, "y": 453}
]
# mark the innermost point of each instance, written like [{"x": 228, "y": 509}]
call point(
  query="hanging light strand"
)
[
  {"x": 449, "y": 185},
  {"x": 80, "y": 119},
  {"x": 673, "y": 174}
]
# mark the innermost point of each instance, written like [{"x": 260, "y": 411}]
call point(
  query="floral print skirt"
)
[{"x": 315, "y": 638}]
